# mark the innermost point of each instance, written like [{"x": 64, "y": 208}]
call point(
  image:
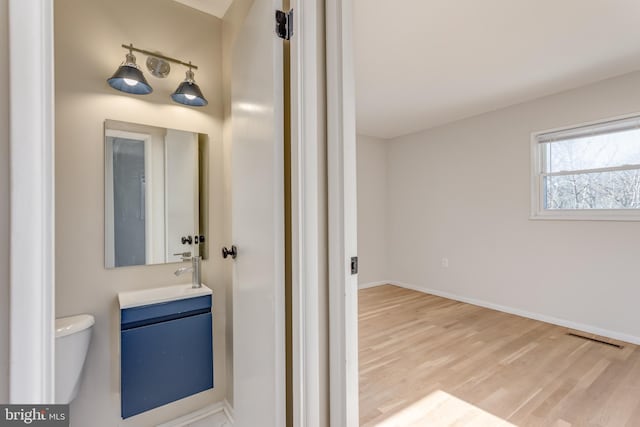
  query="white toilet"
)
[{"x": 72, "y": 342}]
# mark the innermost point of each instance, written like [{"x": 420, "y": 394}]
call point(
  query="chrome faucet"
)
[{"x": 196, "y": 282}]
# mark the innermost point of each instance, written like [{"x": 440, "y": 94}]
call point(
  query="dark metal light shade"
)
[
  {"x": 128, "y": 78},
  {"x": 189, "y": 93}
]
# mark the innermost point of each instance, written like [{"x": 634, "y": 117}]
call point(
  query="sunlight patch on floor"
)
[{"x": 440, "y": 409}]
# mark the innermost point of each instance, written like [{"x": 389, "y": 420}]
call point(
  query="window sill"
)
[{"x": 623, "y": 216}]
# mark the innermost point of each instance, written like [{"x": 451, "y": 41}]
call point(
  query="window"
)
[{"x": 588, "y": 172}]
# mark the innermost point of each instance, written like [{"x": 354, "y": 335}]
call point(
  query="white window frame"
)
[{"x": 539, "y": 212}]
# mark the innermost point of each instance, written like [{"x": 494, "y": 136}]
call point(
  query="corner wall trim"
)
[
  {"x": 620, "y": 336},
  {"x": 222, "y": 407}
]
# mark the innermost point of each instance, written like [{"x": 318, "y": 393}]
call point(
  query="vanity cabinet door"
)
[{"x": 164, "y": 362}]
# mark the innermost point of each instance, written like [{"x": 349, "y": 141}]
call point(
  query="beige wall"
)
[
  {"x": 372, "y": 209},
  {"x": 4, "y": 205},
  {"x": 87, "y": 47},
  {"x": 462, "y": 191}
]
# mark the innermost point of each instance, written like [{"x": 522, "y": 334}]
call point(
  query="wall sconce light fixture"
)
[
  {"x": 189, "y": 92},
  {"x": 129, "y": 78}
]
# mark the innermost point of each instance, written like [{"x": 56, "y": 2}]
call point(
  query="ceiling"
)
[
  {"x": 422, "y": 63},
  {"x": 213, "y": 7}
]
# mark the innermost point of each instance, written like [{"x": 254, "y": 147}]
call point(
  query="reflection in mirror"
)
[{"x": 152, "y": 194}]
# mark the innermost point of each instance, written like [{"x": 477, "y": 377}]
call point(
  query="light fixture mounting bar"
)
[{"x": 157, "y": 55}]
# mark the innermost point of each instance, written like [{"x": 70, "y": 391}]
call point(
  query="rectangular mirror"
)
[{"x": 153, "y": 179}]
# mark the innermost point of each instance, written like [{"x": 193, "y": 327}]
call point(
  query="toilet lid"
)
[{"x": 72, "y": 324}]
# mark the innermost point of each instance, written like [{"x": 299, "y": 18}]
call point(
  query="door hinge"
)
[{"x": 284, "y": 24}]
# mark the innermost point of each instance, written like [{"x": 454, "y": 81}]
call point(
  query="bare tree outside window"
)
[{"x": 599, "y": 171}]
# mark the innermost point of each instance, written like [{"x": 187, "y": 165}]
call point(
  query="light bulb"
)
[
  {"x": 131, "y": 82},
  {"x": 190, "y": 97}
]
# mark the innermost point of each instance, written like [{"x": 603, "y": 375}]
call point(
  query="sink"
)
[{"x": 158, "y": 295}]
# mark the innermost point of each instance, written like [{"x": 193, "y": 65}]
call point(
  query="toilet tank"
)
[{"x": 73, "y": 335}]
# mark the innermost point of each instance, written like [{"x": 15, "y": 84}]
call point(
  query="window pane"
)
[
  {"x": 600, "y": 190},
  {"x": 593, "y": 152}
]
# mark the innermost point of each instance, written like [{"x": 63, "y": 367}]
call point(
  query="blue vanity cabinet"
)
[{"x": 166, "y": 353}]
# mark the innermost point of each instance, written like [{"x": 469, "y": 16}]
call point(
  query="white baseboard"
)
[
  {"x": 228, "y": 411},
  {"x": 373, "y": 284},
  {"x": 219, "y": 409},
  {"x": 620, "y": 336}
]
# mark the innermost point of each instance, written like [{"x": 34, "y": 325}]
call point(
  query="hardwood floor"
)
[{"x": 430, "y": 361}]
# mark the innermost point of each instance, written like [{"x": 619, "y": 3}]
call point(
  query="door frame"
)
[
  {"x": 307, "y": 192},
  {"x": 342, "y": 204},
  {"x": 306, "y": 148},
  {"x": 32, "y": 280},
  {"x": 32, "y": 262},
  {"x": 109, "y": 223}
]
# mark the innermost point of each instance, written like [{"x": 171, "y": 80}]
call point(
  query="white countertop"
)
[{"x": 131, "y": 299}]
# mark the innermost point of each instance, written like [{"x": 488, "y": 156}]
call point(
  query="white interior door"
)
[{"x": 258, "y": 221}]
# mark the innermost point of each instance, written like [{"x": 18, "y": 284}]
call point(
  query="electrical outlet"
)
[{"x": 445, "y": 262}]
